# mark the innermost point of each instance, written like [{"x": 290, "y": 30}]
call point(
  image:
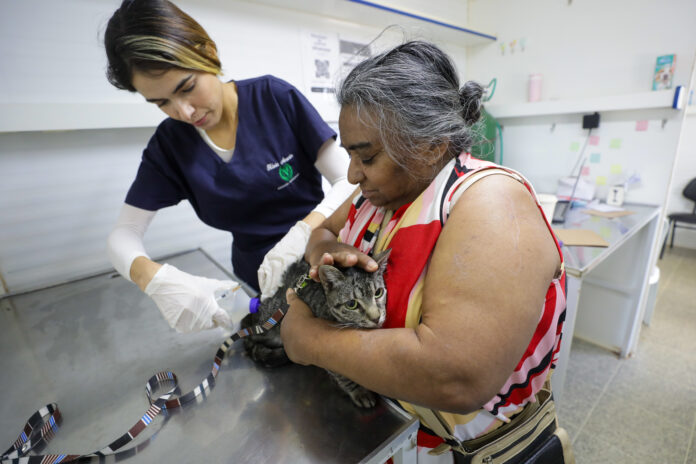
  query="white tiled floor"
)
[{"x": 641, "y": 409}]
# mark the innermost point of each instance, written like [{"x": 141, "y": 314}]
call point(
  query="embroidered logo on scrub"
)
[{"x": 285, "y": 172}]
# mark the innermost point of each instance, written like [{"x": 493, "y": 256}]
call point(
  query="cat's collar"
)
[{"x": 302, "y": 282}]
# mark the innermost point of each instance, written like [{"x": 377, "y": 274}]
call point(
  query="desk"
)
[
  {"x": 607, "y": 287},
  {"x": 91, "y": 345}
]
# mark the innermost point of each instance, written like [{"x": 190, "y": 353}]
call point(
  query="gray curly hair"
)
[{"x": 411, "y": 95}]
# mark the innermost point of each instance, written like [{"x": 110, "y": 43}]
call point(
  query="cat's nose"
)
[{"x": 374, "y": 314}]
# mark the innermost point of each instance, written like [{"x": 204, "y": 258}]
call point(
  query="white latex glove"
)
[
  {"x": 284, "y": 253},
  {"x": 187, "y": 302}
]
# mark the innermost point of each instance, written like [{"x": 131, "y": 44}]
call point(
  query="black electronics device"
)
[
  {"x": 590, "y": 121},
  {"x": 559, "y": 212}
]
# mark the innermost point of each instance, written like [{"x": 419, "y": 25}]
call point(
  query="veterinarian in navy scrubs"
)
[{"x": 248, "y": 155}]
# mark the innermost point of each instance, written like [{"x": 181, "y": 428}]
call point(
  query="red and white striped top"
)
[{"x": 412, "y": 232}]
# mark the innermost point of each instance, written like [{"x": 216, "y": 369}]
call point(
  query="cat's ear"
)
[
  {"x": 382, "y": 259},
  {"x": 329, "y": 276}
]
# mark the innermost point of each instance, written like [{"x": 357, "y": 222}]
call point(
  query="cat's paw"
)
[
  {"x": 267, "y": 356},
  {"x": 266, "y": 348},
  {"x": 363, "y": 398}
]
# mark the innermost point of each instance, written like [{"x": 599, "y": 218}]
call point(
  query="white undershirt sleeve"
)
[
  {"x": 332, "y": 162},
  {"x": 125, "y": 242}
]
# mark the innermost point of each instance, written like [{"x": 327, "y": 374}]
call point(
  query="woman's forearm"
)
[
  {"x": 125, "y": 242},
  {"x": 401, "y": 363},
  {"x": 143, "y": 270},
  {"x": 314, "y": 219}
]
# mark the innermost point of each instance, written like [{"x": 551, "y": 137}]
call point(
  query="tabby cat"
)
[{"x": 351, "y": 297}]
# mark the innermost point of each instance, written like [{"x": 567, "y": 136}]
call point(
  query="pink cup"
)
[{"x": 534, "y": 91}]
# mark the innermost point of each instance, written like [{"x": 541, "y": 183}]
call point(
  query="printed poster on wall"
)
[
  {"x": 326, "y": 60},
  {"x": 320, "y": 65}
]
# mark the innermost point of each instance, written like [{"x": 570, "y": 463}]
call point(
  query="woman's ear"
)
[{"x": 436, "y": 152}]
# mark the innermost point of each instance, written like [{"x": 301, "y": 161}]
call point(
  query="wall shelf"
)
[
  {"x": 26, "y": 117},
  {"x": 380, "y": 14},
  {"x": 647, "y": 100}
]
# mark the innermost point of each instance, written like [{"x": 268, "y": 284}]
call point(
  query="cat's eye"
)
[
  {"x": 352, "y": 304},
  {"x": 379, "y": 293}
]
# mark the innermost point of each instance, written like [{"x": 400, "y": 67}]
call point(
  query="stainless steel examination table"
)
[{"x": 91, "y": 345}]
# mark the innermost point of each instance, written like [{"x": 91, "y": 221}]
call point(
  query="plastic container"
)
[
  {"x": 548, "y": 204},
  {"x": 652, "y": 294},
  {"x": 534, "y": 90},
  {"x": 236, "y": 302}
]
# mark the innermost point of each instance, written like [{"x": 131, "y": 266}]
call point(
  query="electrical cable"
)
[
  {"x": 491, "y": 86},
  {"x": 584, "y": 145},
  {"x": 500, "y": 138}
]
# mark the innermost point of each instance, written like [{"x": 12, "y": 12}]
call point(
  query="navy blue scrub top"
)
[{"x": 269, "y": 184}]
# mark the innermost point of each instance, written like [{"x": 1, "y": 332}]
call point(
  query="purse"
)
[{"x": 531, "y": 437}]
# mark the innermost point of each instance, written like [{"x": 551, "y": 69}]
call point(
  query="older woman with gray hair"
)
[{"x": 475, "y": 280}]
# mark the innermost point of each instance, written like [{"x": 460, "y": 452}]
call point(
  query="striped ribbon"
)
[{"x": 43, "y": 424}]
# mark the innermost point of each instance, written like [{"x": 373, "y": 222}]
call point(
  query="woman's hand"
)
[
  {"x": 298, "y": 326},
  {"x": 290, "y": 248},
  {"x": 188, "y": 302},
  {"x": 339, "y": 254}
]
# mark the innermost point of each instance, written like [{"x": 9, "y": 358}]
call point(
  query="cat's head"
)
[{"x": 355, "y": 297}]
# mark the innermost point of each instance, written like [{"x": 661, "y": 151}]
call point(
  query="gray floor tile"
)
[
  {"x": 635, "y": 430},
  {"x": 680, "y": 252},
  {"x": 571, "y": 427},
  {"x": 691, "y": 459},
  {"x": 671, "y": 331},
  {"x": 590, "y": 448},
  {"x": 579, "y": 397},
  {"x": 655, "y": 391},
  {"x": 645, "y": 411},
  {"x": 591, "y": 364}
]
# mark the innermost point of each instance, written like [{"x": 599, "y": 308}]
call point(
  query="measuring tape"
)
[{"x": 43, "y": 424}]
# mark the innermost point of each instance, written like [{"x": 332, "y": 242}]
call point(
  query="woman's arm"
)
[
  {"x": 187, "y": 302},
  {"x": 482, "y": 299},
  {"x": 125, "y": 246}
]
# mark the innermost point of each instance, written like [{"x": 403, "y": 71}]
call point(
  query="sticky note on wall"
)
[
  {"x": 595, "y": 157},
  {"x": 615, "y": 143},
  {"x": 575, "y": 146},
  {"x": 594, "y": 140},
  {"x": 615, "y": 169},
  {"x": 601, "y": 180},
  {"x": 641, "y": 126},
  {"x": 585, "y": 171}
]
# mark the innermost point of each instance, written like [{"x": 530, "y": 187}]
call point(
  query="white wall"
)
[
  {"x": 61, "y": 191},
  {"x": 583, "y": 48},
  {"x": 590, "y": 48}
]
